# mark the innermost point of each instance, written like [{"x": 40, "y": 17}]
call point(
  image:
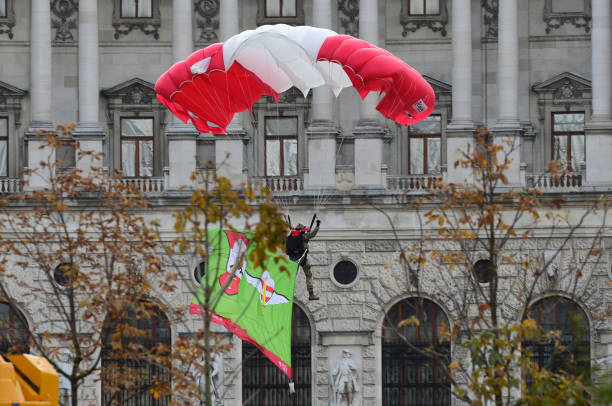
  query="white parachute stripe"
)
[{"x": 283, "y": 56}]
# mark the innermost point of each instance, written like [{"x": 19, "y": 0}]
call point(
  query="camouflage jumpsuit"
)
[{"x": 304, "y": 262}]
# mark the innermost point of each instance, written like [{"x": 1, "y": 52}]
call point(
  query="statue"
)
[
  {"x": 343, "y": 381},
  {"x": 214, "y": 378}
]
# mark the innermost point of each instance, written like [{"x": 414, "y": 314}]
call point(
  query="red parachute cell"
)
[{"x": 216, "y": 82}]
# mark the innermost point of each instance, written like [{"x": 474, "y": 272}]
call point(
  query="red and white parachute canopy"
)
[{"x": 216, "y": 82}]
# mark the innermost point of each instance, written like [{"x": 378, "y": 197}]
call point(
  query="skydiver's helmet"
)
[{"x": 300, "y": 226}]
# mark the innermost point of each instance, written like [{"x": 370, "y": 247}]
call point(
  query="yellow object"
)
[{"x": 27, "y": 380}]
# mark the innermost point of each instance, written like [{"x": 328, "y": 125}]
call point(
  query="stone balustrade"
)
[
  {"x": 278, "y": 185},
  {"x": 547, "y": 182},
  {"x": 406, "y": 183},
  {"x": 10, "y": 185},
  {"x": 145, "y": 185}
]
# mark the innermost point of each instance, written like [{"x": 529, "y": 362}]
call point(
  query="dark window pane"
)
[
  {"x": 408, "y": 377},
  {"x": 345, "y": 272},
  {"x": 3, "y": 8},
  {"x": 13, "y": 331},
  {"x": 573, "y": 355}
]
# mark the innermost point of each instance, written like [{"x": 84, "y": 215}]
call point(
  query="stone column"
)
[
  {"x": 322, "y": 132},
  {"x": 181, "y": 137},
  {"x": 368, "y": 132},
  {"x": 599, "y": 128},
  {"x": 88, "y": 130},
  {"x": 459, "y": 131},
  {"x": 229, "y": 148},
  {"x": 508, "y": 128},
  {"x": 40, "y": 92}
]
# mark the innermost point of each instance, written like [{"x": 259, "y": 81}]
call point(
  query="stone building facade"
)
[{"x": 535, "y": 71}]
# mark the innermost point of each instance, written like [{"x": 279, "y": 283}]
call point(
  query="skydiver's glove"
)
[{"x": 318, "y": 223}]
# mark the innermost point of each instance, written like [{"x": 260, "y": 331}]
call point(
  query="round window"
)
[
  {"x": 483, "y": 271},
  {"x": 62, "y": 274},
  {"x": 199, "y": 271},
  {"x": 345, "y": 272}
]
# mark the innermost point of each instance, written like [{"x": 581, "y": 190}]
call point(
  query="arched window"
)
[
  {"x": 129, "y": 369},
  {"x": 264, "y": 384},
  {"x": 574, "y": 354},
  {"x": 411, "y": 378},
  {"x": 13, "y": 330}
]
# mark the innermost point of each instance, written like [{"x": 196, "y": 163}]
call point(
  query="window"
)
[
  {"x": 410, "y": 378},
  {"x": 573, "y": 355},
  {"x": 137, "y": 147},
  {"x": 574, "y": 12},
  {"x": 142, "y": 15},
  {"x": 568, "y": 139},
  {"x": 424, "y": 146},
  {"x": 280, "y": 11},
  {"x": 136, "y": 9},
  {"x": 281, "y": 8},
  {"x": 424, "y": 7},
  {"x": 127, "y": 374},
  {"x": 265, "y": 384},
  {"x": 3, "y": 146},
  {"x": 3, "y": 8},
  {"x": 281, "y": 146},
  {"x": 345, "y": 273},
  {"x": 13, "y": 330}
]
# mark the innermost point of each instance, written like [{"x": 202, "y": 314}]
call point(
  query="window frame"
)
[
  {"x": 399, "y": 348},
  {"x": 425, "y": 14},
  {"x": 413, "y": 22},
  {"x": 281, "y": 10},
  {"x": 7, "y": 22},
  {"x": 281, "y": 138},
  {"x": 568, "y": 135},
  {"x": 137, "y": 139},
  {"x": 10, "y": 108},
  {"x": 424, "y": 137},
  {"x": 262, "y": 362},
  {"x": 538, "y": 348},
  {"x": 262, "y": 17},
  {"x": 14, "y": 314},
  {"x": 8, "y": 145},
  {"x": 159, "y": 317},
  {"x": 135, "y": 11},
  {"x": 148, "y": 25}
]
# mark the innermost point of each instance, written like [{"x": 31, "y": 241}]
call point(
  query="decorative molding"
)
[
  {"x": 348, "y": 11},
  {"x": 133, "y": 95},
  {"x": 7, "y": 23},
  {"x": 207, "y": 19},
  {"x": 148, "y": 25},
  {"x": 299, "y": 19},
  {"x": 10, "y": 100},
  {"x": 579, "y": 19},
  {"x": 490, "y": 9},
  {"x": 290, "y": 97},
  {"x": 443, "y": 92},
  {"x": 411, "y": 23},
  {"x": 564, "y": 89},
  {"x": 63, "y": 13}
]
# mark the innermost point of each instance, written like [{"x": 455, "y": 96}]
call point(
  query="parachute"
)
[{"x": 216, "y": 82}]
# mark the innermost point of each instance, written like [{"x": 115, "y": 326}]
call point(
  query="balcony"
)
[
  {"x": 144, "y": 185},
  {"x": 10, "y": 185},
  {"x": 561, "y": 183},
  {"x": 410, "y": 183},
  {"x": 278, "y": 185}
]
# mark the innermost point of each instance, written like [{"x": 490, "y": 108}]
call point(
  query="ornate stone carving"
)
[
  {"x": 10, "y": 101},
  {"x": 567, "y": 91},
  {"x": 8, "y": 22},
  {"x": 579, "y": 19},
  {"x": 148, "y": 25},
  {"x": 291, "y": 96},
  {"x": 138, "y": 94},
  {"x": 349, "y": 16},
  {"x": 62, "y": 20},
  {"x": 490, "y": 10},
  {"x": 411, "y": 23},
  {"x": 207, "y": 19}
]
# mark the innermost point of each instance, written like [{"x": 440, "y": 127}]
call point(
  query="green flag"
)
[{"x": 256, "y": 303}]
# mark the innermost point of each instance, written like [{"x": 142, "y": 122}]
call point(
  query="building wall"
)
[{"x": 352, "y": 230}]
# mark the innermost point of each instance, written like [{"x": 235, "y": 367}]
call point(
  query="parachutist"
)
[{"x": 297, "y": 250}]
